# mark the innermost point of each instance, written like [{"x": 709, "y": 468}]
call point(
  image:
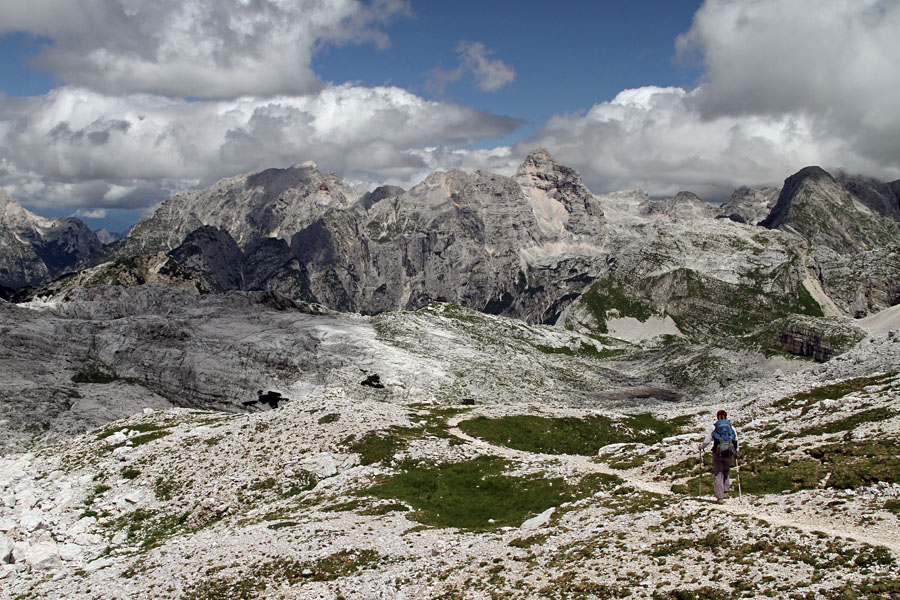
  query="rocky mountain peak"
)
[
  {"x": 35, "y": 247},
  {"x": 819, "y": 207},
  {"x": 539, "y": 169},
  {"x": 547, "y": 182},
  {"x": 274, "y": 203},
  {"x": 683, "y": 206}
]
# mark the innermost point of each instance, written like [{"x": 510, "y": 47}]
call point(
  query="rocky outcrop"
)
[
  {"x": 805, "y": 342},
  {"x": 211, "y": 252},
  {"x": 685, "y": 206},
  {"x": 273, "y": 203}
]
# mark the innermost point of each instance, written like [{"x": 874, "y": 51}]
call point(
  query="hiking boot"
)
[{"x": 720, "y": 500}]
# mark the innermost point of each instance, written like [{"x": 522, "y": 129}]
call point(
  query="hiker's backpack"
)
[{"x": 725, "y": 438}]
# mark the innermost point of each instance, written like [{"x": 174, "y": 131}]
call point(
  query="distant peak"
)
[
  {"x": 689, "y": 197},
  {"x": 539, "y": 159}
]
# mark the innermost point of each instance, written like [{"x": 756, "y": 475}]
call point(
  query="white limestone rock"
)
[
  {"x": 43, "y": 556},
  {"x": 6, "y": 549}
]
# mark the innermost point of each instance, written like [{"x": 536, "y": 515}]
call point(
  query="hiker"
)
[{"x": 724, "y": 440}]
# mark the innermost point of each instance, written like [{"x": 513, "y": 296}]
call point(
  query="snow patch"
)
[{"x": 632, "y": 330}]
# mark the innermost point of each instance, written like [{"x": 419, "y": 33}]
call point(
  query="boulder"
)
[
  {"x": 43, "y": 556},
  {"x": 321, "y": 465},
  {"x": 6, "y": 549}
]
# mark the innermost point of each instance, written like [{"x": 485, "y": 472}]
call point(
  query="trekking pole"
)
[{"x": 700, "y": 477}]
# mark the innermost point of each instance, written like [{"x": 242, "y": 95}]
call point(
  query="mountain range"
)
[{"x": 525, "y": 246}]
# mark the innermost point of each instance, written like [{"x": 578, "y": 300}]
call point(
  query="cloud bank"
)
[
  {"x": 787, "y": 84},
  {"x": 123, "y": 150},
  {"x": 195, "y": 48}
]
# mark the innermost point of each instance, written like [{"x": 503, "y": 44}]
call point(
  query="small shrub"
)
[
  {"x": 94, "y": 373},
  {"x": 128, "y": 473},
  {"x": 329, "y": 418}
]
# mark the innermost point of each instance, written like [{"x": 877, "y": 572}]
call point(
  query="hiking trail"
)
[{"x": 775, "y": 515}]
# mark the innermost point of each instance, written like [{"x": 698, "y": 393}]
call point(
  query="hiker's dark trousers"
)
[{"x": 721, "y": 465}]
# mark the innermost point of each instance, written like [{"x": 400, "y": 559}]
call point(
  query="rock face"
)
[
  {"x": 883, "y": 198},
  {"x": 854, "y": 246},
  {"x": 273, "y": 203},
  {"x": 33, "y": 248},
  {"x": 816, "y": 205},
  {"x": 485, "y": 241}
]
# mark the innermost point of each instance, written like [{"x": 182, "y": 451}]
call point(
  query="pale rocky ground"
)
[{"x": 181, "y": 503}]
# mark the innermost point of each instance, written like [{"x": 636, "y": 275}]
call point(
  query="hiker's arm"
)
[{"x": 708, "y": 439}]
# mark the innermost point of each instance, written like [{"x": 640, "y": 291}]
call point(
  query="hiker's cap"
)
[{"x": 721, "y": 415}]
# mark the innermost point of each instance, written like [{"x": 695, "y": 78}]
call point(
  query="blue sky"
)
[
  {"x": 565, "y": 59},
  {"x": 108, "y": 107}
]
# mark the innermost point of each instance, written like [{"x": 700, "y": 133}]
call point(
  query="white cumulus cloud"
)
[
  {"x": 489, "y": 74},
  {"x": 195, "y": 48},
  {"x": 787, "y": 84},
  {"x": 80, "y": 147}
]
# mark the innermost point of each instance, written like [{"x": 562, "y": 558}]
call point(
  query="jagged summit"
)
[
  {"x": 33, "y": 248},
  {"x": 558, "y": 195}
]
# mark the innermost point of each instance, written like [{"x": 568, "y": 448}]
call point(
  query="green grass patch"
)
[
  {"x": 892, "y": 506},
  {"x": 851, "y": 422},
  {"x": 609, "y": 295},
  {"x": 146, "y": 438},
  {"x": 529, "y": 541},
  {"x": 476, "y": 495},
  {"x": 859, "y": 463},
  {"x": 128, "y": 473},
  {"x": 700, "y": 593},
  {"x": 835, "y": 391},
  {"x": 282, "y": 525},
  {"x": 302, "y": 481},
  {"x": 380, "y": 447},
  {"x": 884, "y": 587},
  {"x": 329, "y": 418},
  {"x": 149, "y": 529},
  {"x": 282, "y": 571},
  {"x": 165, "y": 488},
  {"x": 772, "y": 469},
  {"x": 140, "y": 428},
  {"x": 570, "y": 435},
  {"x": 584, "y": 350},
  {"x": 344, "y": 506}
]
